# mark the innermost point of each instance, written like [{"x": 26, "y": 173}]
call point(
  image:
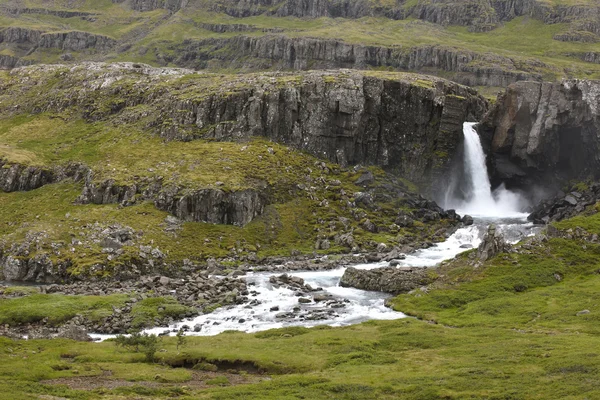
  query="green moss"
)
[
  {"x": 56, "y": 308},
  {"x": 146, "y": 311}
]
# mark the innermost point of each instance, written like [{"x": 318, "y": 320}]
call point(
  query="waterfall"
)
[
  {"x": 476, "y": 170},
  {"x": 481, "y": 201}
]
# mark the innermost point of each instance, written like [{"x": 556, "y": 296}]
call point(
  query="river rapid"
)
[{"x": 271, "y": 305}]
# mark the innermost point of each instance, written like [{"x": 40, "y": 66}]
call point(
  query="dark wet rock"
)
[
  {"x": 290, "y": 282},
  {"x": 388, "y": 279},
  {"x": 467, "y": 220},
  {"x": 547, "y": 131},
  {"x": 565, "y": 205}
]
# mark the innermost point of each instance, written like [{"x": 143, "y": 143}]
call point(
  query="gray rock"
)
[
  {"x": 492, "y": 244},
  {"x": 388, "y": 279},
  {"x": 365, "y": 179},
  {"x": 571, "y": 200}
]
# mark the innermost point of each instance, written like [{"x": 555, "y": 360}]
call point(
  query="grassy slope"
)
[
  {"x": 491, "y": 340},
  {"x": 153, "y": 32},
  {"x": 127, "y": 152}
]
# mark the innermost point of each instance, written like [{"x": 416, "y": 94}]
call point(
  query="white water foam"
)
[
  {"x": 482, "y": 202},
  {"x": 267, "y": 303},
  {"x": 359, "y": 306}
]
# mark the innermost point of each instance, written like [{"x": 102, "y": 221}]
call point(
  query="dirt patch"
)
[{"x": 199, "y": 381}]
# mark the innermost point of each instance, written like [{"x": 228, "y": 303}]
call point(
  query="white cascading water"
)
[
  {"x": 502, "y": 203},
  {"x": 267, "y": 302}
]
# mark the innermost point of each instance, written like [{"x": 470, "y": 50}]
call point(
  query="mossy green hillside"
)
[
  {"x": 484, "y": 337},
  {"x": 103, "y": 126},
  {"x": 126, "y": 155},
  {"x": 32, "y": 307},
  {"x": 153, "y": 36}
]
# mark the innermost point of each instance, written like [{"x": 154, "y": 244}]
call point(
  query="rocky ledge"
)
[
  {"x": 394, "y": 280},
  {"x": 566, "y": 205}
]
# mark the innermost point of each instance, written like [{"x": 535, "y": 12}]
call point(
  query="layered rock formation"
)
[
  {"x": 18, "y": 177},
  {"x": 478, "y": 15},
  {"x": 469, "y": 68},
  {"x": 69, "y": 40},
  {"x": 75, "y": 40},
  {"x": 149, "y": 5},
  {"x": 545, "y": 132},
  {"x": 409, "y": 123}
]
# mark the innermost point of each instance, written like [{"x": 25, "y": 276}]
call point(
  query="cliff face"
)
[
  {"x": 405, "y": 122},
  {"x": 71, "y": 40},
  {"x": 215, "y": 206},
  {"x": 478, "y": 15},
  {"x": 469, "y": 68},
  {"x": 16, "y": 177},
  {"x": 357, "y": 120},
  {"x": 75, "y": 41},
  {"x": 149, "y": 5},
  {"x": 545, "y": 129}
]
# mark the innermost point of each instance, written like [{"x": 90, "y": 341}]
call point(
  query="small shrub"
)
[{"x": 139, "y": 343}]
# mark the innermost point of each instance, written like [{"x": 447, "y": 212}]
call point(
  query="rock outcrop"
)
[
  {"x": 566, "y": 205},
  {"x": 591, "y": 57},
  {"x": 394, "y": 280},
  {"x": 18, "y": 177},
  {"x": 70, "y": 40},
  {"x": 19, "y": 35},
  {"x": 149, "y": 5},
  {"x": 212, "y": 205},
  {"x": 10, "y": 62},
  {"x": 493, "y": 243},
  {"x": 469, "y": 68},
  {"x": 409, "y": 123},
  {"x": 76, "y": 40},
  {"x": 541, "y": 132}
]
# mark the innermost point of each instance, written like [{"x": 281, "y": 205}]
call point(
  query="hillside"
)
[
  {"x": 124, "y": 146},
  {"x": 299, "y": 199},
  {"x": 475, "y": 42}
]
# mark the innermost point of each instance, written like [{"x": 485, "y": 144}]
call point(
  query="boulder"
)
[
  {"x": 492, "y": 244},
  {"x": 387, "y": 279}
]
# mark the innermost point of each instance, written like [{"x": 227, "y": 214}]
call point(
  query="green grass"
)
[
  {"x": 146, "y": 311},
  {"x": 505, "y": 329},
  {"x": 523, "y": 39},
  {"x": 57, "y": 308}
]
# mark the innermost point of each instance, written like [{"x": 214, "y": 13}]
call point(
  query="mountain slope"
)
[{"x": 476, "y": 42}]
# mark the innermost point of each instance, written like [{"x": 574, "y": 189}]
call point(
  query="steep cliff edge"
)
[
  {"x": 132, "y": 170},
  {"x": 466, "y": 67},
  {"x": 543, "y": 132},
  {"x": 411, "y": 124}
]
